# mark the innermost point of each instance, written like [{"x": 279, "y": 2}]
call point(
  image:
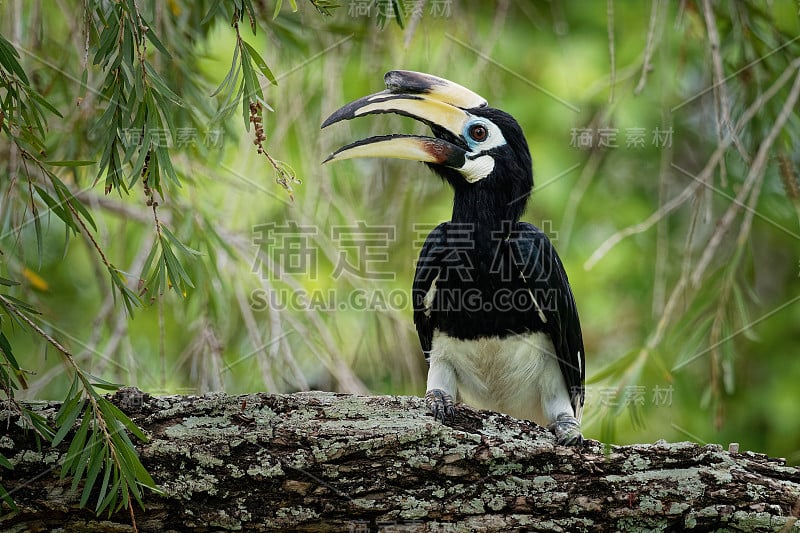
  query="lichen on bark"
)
[{"x": 332, "y": 462}]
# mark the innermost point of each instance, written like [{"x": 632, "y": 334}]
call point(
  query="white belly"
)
[{"x": 518, "y": 375}]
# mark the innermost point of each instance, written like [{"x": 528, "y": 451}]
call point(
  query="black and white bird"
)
[{"x": 492, "y": 304}]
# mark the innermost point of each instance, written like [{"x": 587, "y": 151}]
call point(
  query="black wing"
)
[
  {"x": 428, "y": 266},
  {"x": 539, "y": 264}
]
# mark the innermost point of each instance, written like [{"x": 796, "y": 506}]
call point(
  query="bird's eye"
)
[{"x": 478, "y": 132}]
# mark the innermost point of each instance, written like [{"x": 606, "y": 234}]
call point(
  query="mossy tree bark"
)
[{"x": 331, "y": 462}]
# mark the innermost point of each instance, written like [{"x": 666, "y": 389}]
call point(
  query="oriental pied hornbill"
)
[{"x": 492, "y": 305}]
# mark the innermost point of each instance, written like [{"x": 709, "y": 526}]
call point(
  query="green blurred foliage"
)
[{"x": 546, "y": 63}]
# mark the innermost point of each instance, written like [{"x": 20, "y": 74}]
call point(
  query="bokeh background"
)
[{"x": 664, "y": 142}]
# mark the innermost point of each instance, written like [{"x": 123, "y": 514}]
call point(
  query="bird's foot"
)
[
  {"x": 441, "y": 405},
  {"x": 567, "y": 430}
]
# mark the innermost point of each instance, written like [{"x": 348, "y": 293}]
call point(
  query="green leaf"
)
[
  {"x": 178, "y": 277},
  {"x": 249, "y": 80},
  {"x": 140, "y": 473},
  {"x": 5, "y": 463},
  {"x": 211, "y": 12},
  {"x": 148, "y": 262},
  {"x": 8, "y": 282},
  {"x": 232, "y": 76},
  {"x": 129, "y": 298},
  {"x": 37, "y": 227},
  {"x": 5, "y": 347},
  {"x": 106, "y": 386},
  {"x": 75, "y": 204},
  {"x": 96, "y": 462},
  {"x": 83, "y": 460},
  {"x": 130, "y": 7},
  {"x": 161, "y": 86},
  {"x": 127, "y": 472},
  {"x": 260, "y": 63},
  {"x": 107, "y": 41},
  {"x": 112, "y": 413},
  {"x": 138, "y": 165},
  {"x": 104, "y": 486},
  {"x": 22, "y": 306},
  {"x": 40, "y": 100},
  {"x": 110, "y": 500},
  {"x": 7, "y": 498},
  {"x": 132, "y": 472},
  {"x": 67, "y": 197},
  {"x": 155, "y": 281},
  {"x": 101, "y": 383},
  {"x": 251, "y": 14},
  {"x": 66, "y": 417},
  {"x": 39, "y": 423},
  {"x": 56, "y": 207},
  {"x": 166, "y": 163},
  {"x": 8, "y": 58},
  {"x": 397, "y": 7},
  {"x": 156, "y": 42},
  {"x": 174, "y": 240},
  {"x": 165, "y": 109},
  {"x": 78, "y": 443}
]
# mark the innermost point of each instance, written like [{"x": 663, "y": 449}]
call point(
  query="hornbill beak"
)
[{"x": 434, "y": 101}]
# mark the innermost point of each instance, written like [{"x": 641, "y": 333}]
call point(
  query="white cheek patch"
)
[
  {"x": 478, "y": 163},
  {"x": 475, "y": 169},
  {"x": 493, "y": 140}
]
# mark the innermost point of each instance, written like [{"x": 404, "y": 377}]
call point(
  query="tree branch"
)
[{"x": 334, "y": 462}]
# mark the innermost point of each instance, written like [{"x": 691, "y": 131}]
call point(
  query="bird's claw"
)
[
  {"x": 441, "y": 405},
  {"x": 567, "y": 430}
]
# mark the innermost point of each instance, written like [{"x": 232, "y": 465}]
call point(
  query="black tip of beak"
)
[
  {"x": 336, "y": 117},
  {"x": 397, "y": 82},
  {"x": 349, "y": 111},
  {"x": 410, "y": 82}
]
